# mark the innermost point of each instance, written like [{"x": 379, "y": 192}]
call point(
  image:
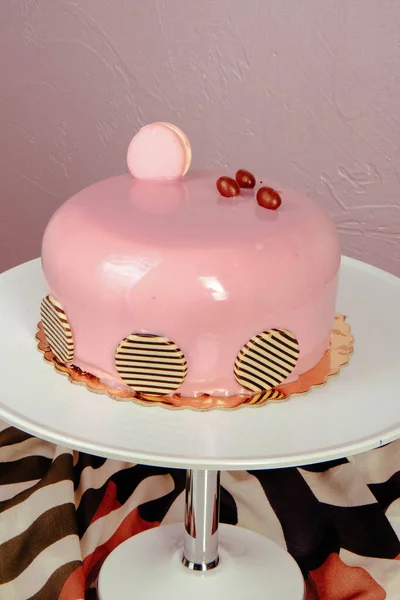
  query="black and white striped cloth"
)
[{"x": 62, "y": 512}]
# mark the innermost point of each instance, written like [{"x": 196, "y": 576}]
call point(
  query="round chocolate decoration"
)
[
  {"x": 57, "y": 330},
  {"x": 266, "y": 360},
  {"x": 228, "y": 187},
  {"x": 150, "y": 364},
  {"x": 264, "y": 396},
  {"x": 245, "y": 179},
  {"x": 268, "y": 198}
]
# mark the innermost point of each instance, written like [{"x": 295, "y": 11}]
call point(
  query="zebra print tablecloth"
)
[{"x": 62, "y": 512}]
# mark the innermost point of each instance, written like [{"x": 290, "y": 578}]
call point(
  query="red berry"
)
[
  {"x": 268, "y": 198},
  {"x": 228, "y": 187},
  {"x": 245, "y": 179}
]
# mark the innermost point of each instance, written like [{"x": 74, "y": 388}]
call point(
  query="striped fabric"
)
[
  {"x": 266, "y": 360},
  {"x": 62, "y": 512},
  {"x": 150, "y": 364}
]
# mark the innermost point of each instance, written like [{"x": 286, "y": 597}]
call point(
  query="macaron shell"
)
[
  {"x": 159, "y": 151},
  {"x": 185, "y": 141}
]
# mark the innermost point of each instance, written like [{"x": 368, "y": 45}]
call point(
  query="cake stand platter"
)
[{"x": 356, "y": 411}]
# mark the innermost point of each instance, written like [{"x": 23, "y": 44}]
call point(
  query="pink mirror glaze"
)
[{"x": 207, "y": 272}]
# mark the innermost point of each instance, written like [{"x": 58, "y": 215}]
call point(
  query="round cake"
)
[{"x": 162, "y": 285}]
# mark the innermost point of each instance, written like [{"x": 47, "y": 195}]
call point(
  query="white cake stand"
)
[{"x": 354, "y": 412}]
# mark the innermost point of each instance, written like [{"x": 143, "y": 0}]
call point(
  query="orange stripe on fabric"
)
[
  {"x": 311, "y": 593},
  {"x": 108, "y": 503},
  {"x": 336, "y": 581},
  {"x": 74, "y": 587}
]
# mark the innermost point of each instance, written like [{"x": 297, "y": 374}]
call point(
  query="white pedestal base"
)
[{"x": 148, "y": 567}]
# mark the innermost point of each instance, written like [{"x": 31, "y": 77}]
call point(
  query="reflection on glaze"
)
[
  {"x": 216, "y": 288},
  {"x": 120, "y": 270},
  {"x": 157, "y": 197}
]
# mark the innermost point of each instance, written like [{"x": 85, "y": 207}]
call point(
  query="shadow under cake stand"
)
[{"x": 354, "y": 412}]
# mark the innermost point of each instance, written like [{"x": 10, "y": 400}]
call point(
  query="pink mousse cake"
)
[{"x": 163, "y": 285}]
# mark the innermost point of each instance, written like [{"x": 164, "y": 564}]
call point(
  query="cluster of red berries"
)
[{"x": 267, "y": 197}]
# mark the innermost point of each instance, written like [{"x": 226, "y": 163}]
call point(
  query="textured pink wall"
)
[{"x": 306, "y": 91}]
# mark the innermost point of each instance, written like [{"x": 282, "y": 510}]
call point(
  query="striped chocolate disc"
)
[
  {"x": 266, "y": 360},
  {"x": 57, "y": 330},
  {"x": 150, "y": 364},
  {"x": 265, "y": 396}
]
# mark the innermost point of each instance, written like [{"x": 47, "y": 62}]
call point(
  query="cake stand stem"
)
[
  {"x": 150, "y": 563},
  {"x": 202, "y": 498}
]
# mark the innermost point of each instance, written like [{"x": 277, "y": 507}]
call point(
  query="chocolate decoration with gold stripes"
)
[
  {"x": 150, "y": 364},
  {"x": 266, "y": 360},
  {"x": 265, "y": 396},
  {"x": 57, "y": 330}
]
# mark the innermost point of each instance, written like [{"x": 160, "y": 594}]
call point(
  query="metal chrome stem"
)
[{"x": 200, "y": 551}]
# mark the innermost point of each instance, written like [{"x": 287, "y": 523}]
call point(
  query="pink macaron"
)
[{"x": 159, "y": 151}]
